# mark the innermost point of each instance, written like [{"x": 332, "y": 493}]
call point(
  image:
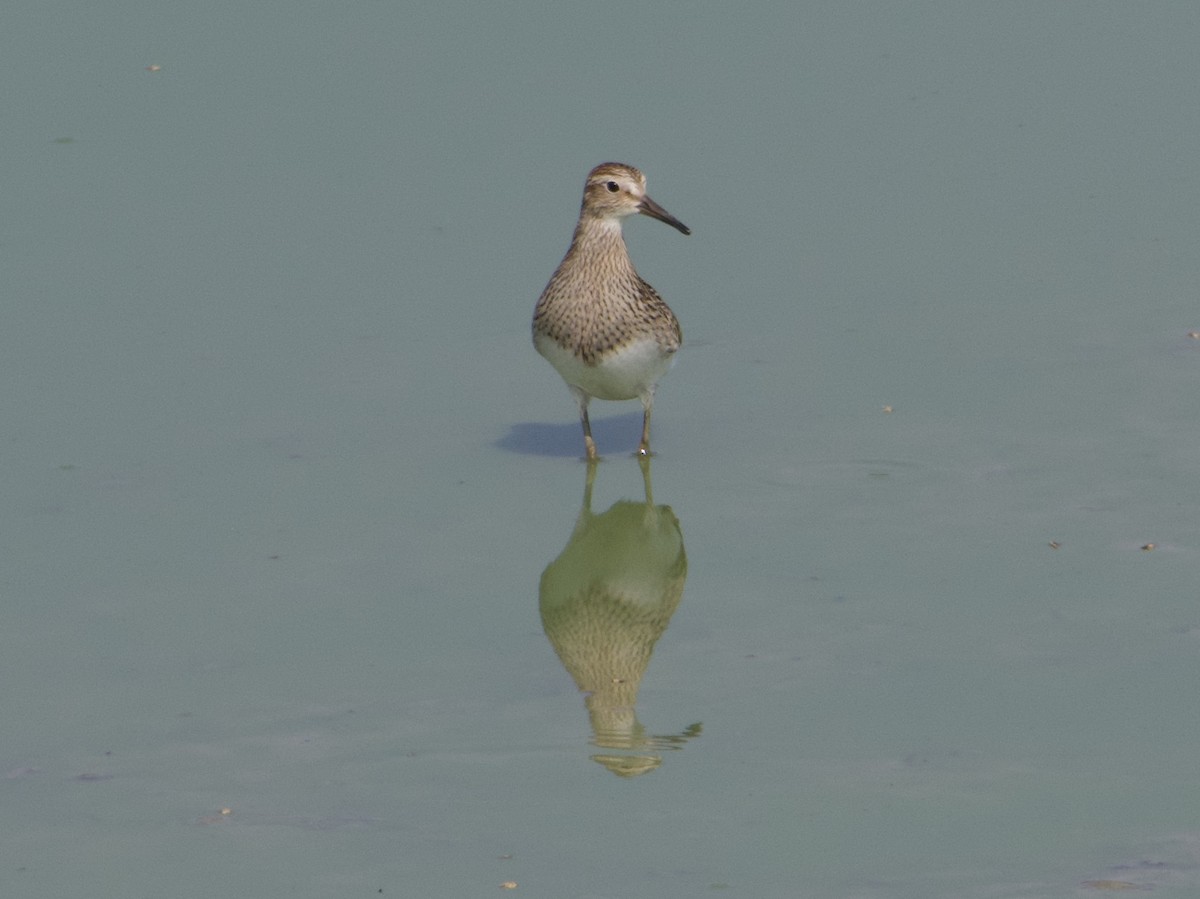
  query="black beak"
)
[{"x": 652, "y": 209}]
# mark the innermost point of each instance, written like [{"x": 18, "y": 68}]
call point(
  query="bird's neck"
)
[{"x": 599, "y": 237}]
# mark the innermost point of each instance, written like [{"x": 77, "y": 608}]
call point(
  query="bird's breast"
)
[{"x": 622, "y": 373}]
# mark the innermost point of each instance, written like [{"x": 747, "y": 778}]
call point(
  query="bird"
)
[{"x": 605, "y": 330}]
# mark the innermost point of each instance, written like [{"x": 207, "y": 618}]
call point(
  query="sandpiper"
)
[{"x": 605, "y": 330}]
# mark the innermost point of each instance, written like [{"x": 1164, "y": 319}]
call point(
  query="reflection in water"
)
[{"x": 605, "y": 601}]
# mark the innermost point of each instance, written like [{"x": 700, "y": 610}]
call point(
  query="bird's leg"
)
[
  {"x": 647, "y": 406},
  {"x": 589, "y": 444}
]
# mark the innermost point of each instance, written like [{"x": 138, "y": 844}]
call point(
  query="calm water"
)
[{"x": 282, "y": 474}]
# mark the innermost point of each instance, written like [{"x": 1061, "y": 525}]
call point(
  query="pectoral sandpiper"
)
[{"x": 606, "y": 331}]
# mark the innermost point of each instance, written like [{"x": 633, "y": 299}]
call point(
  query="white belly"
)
[{"x": 625, "y": 374}]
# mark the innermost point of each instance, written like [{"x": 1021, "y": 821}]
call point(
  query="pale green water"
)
[{"x": 281, "y": 471}]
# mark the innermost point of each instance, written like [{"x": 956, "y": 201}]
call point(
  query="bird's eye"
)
[{"x": 613, "y": 187}]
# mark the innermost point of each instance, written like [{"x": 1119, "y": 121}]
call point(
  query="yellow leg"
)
[
  {"x": 647, "y": 406},
  {"x": 588, "y": 443}
]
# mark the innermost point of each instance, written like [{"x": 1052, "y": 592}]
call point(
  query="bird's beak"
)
[{"x": 652, "y": 209}]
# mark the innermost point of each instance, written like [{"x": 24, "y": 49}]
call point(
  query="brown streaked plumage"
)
[{"x": 605, "y": 330}]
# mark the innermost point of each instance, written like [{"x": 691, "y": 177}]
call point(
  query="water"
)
[{"x": 282, "y": 471}]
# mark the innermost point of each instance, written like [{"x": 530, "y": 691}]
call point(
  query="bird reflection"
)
[{"x": 604, "y": 602}]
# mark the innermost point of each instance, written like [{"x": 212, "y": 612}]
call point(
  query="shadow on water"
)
[
  {"x": 604, "y": 602},
  {"x": 615, "y": 436}
]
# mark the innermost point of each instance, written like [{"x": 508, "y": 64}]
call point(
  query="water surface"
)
[{"x": 282, "y": 473}]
